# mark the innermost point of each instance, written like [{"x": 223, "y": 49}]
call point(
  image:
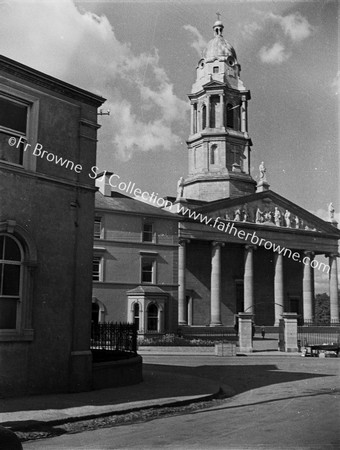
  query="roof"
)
[
  {"x": 54, "y": 84},
  {"x": 146, "y": 290},
  {"x": 119, "y": 202}
]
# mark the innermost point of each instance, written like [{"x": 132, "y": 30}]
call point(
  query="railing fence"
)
[{"x": 114, "y": 336}]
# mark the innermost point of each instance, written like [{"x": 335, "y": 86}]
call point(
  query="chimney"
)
[{"x": 102, "y": 182}]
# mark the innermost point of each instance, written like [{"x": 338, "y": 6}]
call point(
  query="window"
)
[
  {"x": 215, "y": 69},
  {"x": 147, "y": 232},
  {"x": 97, "y": 269},
  {"x": 148, "y": 266},
  {"x": 13, "y": 123},
  {"x": 152, "y": 321},
  {"x": 97, "y": 227},
  {"x": 136, "y": 315},
  {"x": 230, "y": 115},
  {"x": 204, "y": 117},
  {"x": 213, "y": 154},
  {"x": 11, "y": 258}
]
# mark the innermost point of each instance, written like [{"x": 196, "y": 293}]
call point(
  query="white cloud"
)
[
  {"x": 295, "y": 26},
  {"x": 81, "y": 48},
  {"x": 274, "y": 55},
  {"x": 250, "y": 29},
  {"x": 336, "y": 83},
  {"x": 199, "y": 42}
]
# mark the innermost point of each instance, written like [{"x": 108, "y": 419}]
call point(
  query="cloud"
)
[
  {"x": 80, "y": 47},
  {"x": 274, "y": 55},
  {"x": 250, "y": 29},
  {"x": 336, "y": 83},
  {"x": 295, "y": 26},
  {"x": 199, "y": 43}
]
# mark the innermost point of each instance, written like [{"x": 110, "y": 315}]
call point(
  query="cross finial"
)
[{"x": 218, "y": 15}]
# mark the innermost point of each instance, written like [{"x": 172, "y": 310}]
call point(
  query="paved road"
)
[{"x": 281, "y": 402}]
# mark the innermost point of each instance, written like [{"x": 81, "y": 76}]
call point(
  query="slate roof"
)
[{"x": 119, "y": 202}]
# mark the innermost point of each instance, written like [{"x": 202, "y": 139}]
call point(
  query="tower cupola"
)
[{"x": 218, "y": 144}]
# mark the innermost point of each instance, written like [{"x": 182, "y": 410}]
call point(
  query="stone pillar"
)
[
  {"x": 307, "y": 290},
  {"x": 222, "y": 110},
  {"x": 248, "y": 283},
  {"x": 278, "y": 288},
  {"x": 208, "y": 112},
  {"x": 333, "y": 288},
  {"x": 245, "y": 322},
  {"x": 215, "y": 288},
  {"x": 190, "y": 311},
  {"x": 182, "y": 307},
  {"x": 244, "y": 117},
  {"x": 192, "y": 119},
  {"x": 290, "y": 331}
]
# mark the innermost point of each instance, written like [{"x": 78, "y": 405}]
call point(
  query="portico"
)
[{"x": 274, "y": 264}]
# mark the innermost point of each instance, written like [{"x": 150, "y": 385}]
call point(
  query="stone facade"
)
[
  {"x": 136, "y": 248},
  {"x": 46, "y": 228}
]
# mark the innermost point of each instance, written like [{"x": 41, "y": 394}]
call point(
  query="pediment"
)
[
  {"x": 267, "y": 209},
  {"x": 213, "y": 84}
]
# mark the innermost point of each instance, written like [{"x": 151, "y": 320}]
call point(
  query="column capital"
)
[
  {"x": 183, "y": 241},
  {"x": 250, "y": 247},
  {"x": 332, "y": 255},
  {"x": 309, "y": 253},
  {"x": 217, "y": 243}
]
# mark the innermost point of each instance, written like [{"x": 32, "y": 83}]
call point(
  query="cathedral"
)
[{"x": 242, "y": 247}]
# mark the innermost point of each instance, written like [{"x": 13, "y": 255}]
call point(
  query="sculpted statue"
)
[
  {"x": 262, "y": 170},
  {"x": 268, "y": 216},
  {"x": 331, "y": 211},
  {"x": 259, "y": 216},
  {"x": 180, "y": 188},
  {"x": 245, "y": 213},
  {"x": 287, "y": 218},
  {"x": 277, "y": 217},
  {"x": 297, "y": 222},
  {"x": 237, "y": 215},
  {"x": 227, "y": 217}
]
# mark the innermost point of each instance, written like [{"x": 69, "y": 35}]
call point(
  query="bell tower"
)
[{"x": 218, "y": 144}]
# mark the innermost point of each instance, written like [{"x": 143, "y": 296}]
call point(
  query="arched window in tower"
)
[
  {"x": 204, "y": 117},
  {"x": 230, "y": 116},
  {"x": 195, "y": 119},
  {"x": 213, "y": 154},
  {"x": 214, "y": 115}
]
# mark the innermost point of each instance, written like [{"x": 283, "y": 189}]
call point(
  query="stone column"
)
[
  {"x": 278, "y": 288},
  {"x": 182, "y": 307},
  {"x": 333, "y": 288},
  {"x": 190, "y": 311},
  {"x": 245, "y": 322},
  {"x": 248, "y": 283},
  {"x": 307, "y": 290},
  {"x": 290, "y": 332},
  {"x": 244, "y": 118},
  {"x": 208, "y": 112},
  {"x": 192, "y": 119},
  {"x": 222, "y": 124},
  {"x": 215, "y": 288}
]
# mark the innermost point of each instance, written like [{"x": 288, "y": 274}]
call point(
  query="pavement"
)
[{"x": 159, "y": 388}]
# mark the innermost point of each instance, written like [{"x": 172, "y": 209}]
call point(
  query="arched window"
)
[
  {"x": 195, "y": 119},
  {"x": 204, "y": 117},
  {"x": 95, "y": 313},
  {"x": 152, "y": 312},
  {"x": 11, "y": 259},
  {"x": 230, "y": 115},
  {"x": 213, "y": 155},
  {"x": 136, "y": 315}
]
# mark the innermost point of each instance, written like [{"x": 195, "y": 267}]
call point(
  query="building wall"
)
[
  {"x": 55, "y": 208},
  {"x": 124, "y": 249}
]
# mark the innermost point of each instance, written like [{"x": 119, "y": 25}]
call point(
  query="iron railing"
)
[
  {"x": 318, "y": 334},
  {"x": 114, "y": 336}
]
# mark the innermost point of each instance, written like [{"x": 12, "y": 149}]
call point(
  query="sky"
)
[{"x": 142, "y": 56}]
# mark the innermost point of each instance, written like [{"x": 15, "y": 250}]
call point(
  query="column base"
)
[{"x": 215, "y": 324}]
